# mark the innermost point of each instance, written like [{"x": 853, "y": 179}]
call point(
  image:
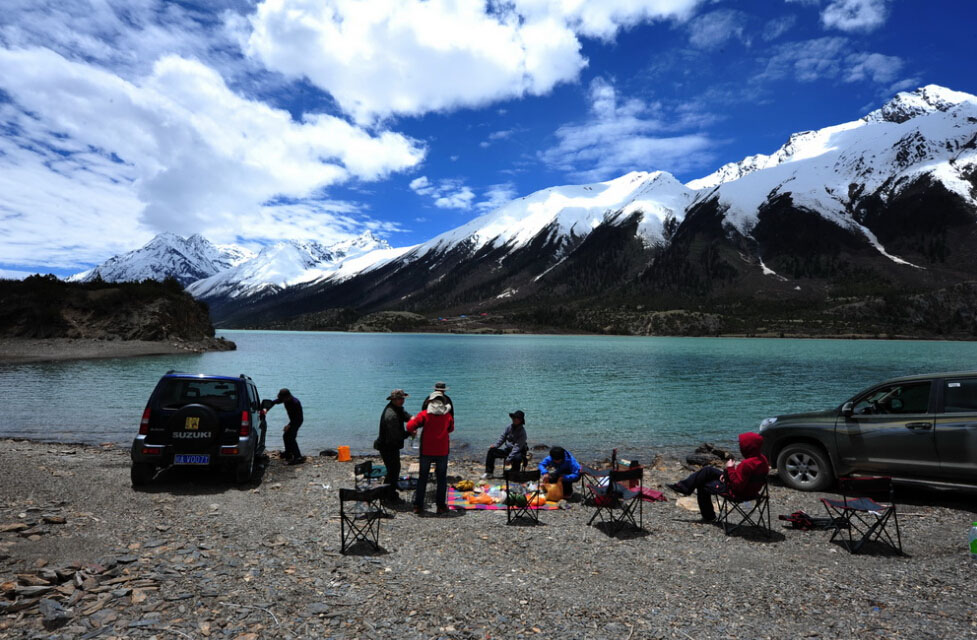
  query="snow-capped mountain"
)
[
  {"x": 290, "y": 263},
  {"x": 166, "y": 255}
]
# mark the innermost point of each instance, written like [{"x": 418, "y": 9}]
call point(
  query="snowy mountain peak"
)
[
  {"x": 909, "y": 104},
  {"x": 167, "y": 255}
]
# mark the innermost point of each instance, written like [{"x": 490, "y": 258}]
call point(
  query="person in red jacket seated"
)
[
  {"x": 743, "y": 481},
  {"x": 436, "y": 422}
]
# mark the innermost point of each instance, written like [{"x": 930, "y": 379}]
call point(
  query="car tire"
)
[
  {"x": 804, "y": 467},
  {"x": 245, "y": 471},
  {"x": 141, "y": 473}
]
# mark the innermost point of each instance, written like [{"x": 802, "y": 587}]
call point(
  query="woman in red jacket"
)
[
  {"x": 743, "y": 481},
  {"x": 436, "y": 423}
]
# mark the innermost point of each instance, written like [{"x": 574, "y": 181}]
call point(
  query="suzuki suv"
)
[
  {"x": 916, "y": 428},
  {"x": 196, "y": 420}
]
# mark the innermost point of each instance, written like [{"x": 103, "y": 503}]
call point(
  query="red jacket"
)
[
  {"x": 747, "y": 478},
  {"x": 434, "y": 437}
]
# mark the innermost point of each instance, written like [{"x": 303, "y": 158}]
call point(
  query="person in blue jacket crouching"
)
[{"x": 560, "y": 466}]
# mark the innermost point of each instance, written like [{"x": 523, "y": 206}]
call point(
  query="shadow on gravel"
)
[
  {"x": 363, "y": 548},
  {"x": 187, "y": 481},
  {"x": 753, "y": 534},
  {"x": 876, "y": 549},
  {"x": 618, "y": 532},
  {"x": 525, "y": 521},
  {"x": 912, "y": 493}
]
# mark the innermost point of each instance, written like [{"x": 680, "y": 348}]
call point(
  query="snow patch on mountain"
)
[
  {"x": 168, "y": 255},
  {"x": 289, "y": 263}
]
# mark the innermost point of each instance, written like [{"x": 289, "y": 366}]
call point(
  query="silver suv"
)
[{"x": 918, "y": 427}]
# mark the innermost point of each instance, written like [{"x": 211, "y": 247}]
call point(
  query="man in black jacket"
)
[
  {"x": 391, "y": 439},
  {"x": 511, "y": 445},
  {"x": 439, "y": 392},
  {"x": 295, "y": 419}
]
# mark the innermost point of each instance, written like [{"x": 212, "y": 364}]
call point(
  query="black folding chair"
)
[
  {"x": 590, "y": 479},
  {"x": 360, "y": 521},
  {"x": 863, "y": 519},
  {"x": 364, "y": 473},
  {"x": 616, "y": 503},
  {"x": 515, "y": 484},
  {"x": 737, "y": 512}
]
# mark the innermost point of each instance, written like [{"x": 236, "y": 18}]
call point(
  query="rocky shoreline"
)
[
  {"x": 23, "y": 350},
  {"x": 83, "y": 555}
]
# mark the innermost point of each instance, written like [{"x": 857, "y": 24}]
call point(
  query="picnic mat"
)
[{"x": 456, "y": 502}]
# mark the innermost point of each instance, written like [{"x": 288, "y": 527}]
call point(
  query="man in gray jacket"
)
[
  {"x": 391, "y": 439},
  {"x": 511, "y": 445}
]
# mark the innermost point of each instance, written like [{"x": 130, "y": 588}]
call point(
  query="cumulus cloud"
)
[
  {"x": 495, "y": 136},
  {"x": 714, "y": 29},
  {"x": 622, "y": 136},
  {"x": 855, "y": 15},
  {"x": 176, "y": 149},
  {"x": 876, "y": 67},
  {"x": 410, "y": 57},
  {"x": 446, "y": 194}
]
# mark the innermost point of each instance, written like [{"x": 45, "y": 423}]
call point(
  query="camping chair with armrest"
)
[
  {"x": 364, "y": 475},
  {"x": 592, "y": 479},
  {"x": 862, "y": 518},
  {"x": 616, "y": 503},
  {"x": 515, "y": 483},
  {"x": 360, "y": 520},
  {"x": 736, "y": 512}
]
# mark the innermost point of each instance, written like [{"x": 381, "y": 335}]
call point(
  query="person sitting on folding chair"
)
[
  {"x": 739, "y": 480},
  {"x": 560, "y": 466},
  {"x": 511, "y": 445}
]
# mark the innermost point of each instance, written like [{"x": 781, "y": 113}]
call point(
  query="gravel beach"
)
[
  {"x": 83, "y": 555},
  {"x": 21, "y": 350}
]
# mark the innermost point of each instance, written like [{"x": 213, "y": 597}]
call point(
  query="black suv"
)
[
  {"x": 203, "y": 421},
  {"x": 918, "y": 428}
]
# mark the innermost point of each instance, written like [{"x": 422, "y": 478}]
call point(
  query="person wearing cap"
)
[
  {"x": 391, "y": 439},
  {"x": 511, "y": 445},
  {"x": 293, "y": 408},
  {"x": 560, "y": 466},
  {"x": 439, "y": 392},
  {"x": 436, "y": 422}
]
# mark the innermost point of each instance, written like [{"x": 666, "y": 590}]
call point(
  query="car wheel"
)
[
  {"x": 804, "y": 467},
  {"x": 141, "y": 473},
  {"x": 245, "y": 471}
]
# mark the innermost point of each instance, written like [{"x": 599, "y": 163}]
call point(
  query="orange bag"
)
[
  {"x": 554, "y": 491},
  {"x": 537, "y": 501}
]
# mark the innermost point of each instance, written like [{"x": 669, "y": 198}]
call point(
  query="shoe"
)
[
  {"x": 678, "y": 488},
  {"x": 486, "y": 476},
  {"x": 393, "y": 500},
  {"x": 298, "y": 460},
  {"x": 419, "y": 511},
  {"x": 443, "y": 509},
  {"x": 708, "y": 519}
]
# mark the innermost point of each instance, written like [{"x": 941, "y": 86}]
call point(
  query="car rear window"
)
[
  {"x": 960, "y": 396},
  {"x": 221, "y": 395}
]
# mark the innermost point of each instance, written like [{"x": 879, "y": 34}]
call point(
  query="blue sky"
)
[{"x": 253, "y": 122}]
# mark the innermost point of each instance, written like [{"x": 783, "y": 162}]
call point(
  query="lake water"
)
[{"x": 587, "y": 393}]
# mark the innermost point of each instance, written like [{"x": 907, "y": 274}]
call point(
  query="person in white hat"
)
[{"x": 439, "y": 392}]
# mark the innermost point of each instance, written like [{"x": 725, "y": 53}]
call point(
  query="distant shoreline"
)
[{"x": 28, "y": 350}]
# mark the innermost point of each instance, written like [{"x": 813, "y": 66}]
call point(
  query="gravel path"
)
[{"x": 82, "y": 555}]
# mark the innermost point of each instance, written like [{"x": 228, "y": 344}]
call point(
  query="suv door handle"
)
[{"x": 925, "y": 426}]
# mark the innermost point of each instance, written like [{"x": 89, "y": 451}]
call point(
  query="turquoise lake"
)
[{"x": 587, "y": 393}]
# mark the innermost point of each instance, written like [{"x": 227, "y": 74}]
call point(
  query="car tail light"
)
[
  {"x": 245, "y": 424},
  {"x": 230, "y": 451},
  {"x": 144, "y": 423},
  {"x": 152, "y": 451}
]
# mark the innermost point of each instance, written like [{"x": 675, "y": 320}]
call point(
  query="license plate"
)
[{"x": 185, "y": 458}]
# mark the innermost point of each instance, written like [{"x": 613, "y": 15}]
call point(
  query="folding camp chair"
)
[
  {"x": 864, "y": 519},
  {"x": 515, "y": 482},
  {"x": 360, "y": 521},
  {"x": 616, "y": 503},
  {"x": 364, "y": 475},
  {"x": 591, "y": 479},
  {"x": 752, "y": 511}
]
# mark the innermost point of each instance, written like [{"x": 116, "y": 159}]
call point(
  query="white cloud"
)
[
  {"x": 411, "y": 57},
  {"x": 855, "y": 15},
  {"x": 619, "y": 137},
  {"x": 496, "y": 196},
  {"x": 830, "y": 59},
  {"x": 873, "y": 66},
  {"x": 777, "y": 27},
  {"x": 495, "y": 136},
  {"x": 446, "y": 194},
  {"x": 714, "y": 29},
  {"x": 108, "y": 161}
]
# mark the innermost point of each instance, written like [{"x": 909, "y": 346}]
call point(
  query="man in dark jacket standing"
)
[
  {"x": 440, "y": 389},
  {"x": 295, "y": 418},
  {"x": 511, "y": 445},
  {"x": 391, "y": 439}
]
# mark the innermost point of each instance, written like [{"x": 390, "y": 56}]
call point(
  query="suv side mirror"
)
[{"x": 847, "y": 409}]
